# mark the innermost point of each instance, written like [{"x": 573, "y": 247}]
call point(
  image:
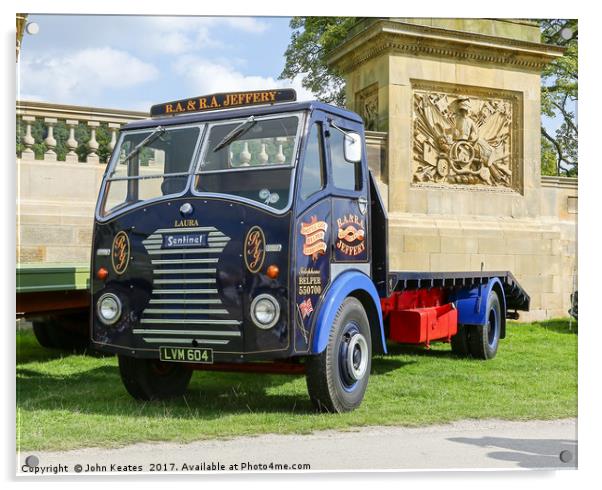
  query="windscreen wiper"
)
[
  {"x": 159, "y": 131},
  {"x": 239, "y": 130}
]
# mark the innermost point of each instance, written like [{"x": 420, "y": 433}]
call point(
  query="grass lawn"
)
[{"x": 67, "y": 401}]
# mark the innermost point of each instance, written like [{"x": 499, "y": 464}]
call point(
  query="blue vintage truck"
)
[{"x": 245, "y": 231}]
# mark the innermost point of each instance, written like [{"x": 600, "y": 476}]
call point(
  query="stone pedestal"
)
[{"x": 460, "y": 101}]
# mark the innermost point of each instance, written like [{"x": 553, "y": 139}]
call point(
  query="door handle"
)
[{"x": 363, "y": 204}]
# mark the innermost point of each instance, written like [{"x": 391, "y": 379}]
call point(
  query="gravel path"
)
[{"x": 464, "y": 444}]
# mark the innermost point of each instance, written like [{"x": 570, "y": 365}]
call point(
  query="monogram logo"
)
[
  {"x": 120, "y": 252},
  {"x": 351, "y": 235},
  {"x": 254, "y": 249}
]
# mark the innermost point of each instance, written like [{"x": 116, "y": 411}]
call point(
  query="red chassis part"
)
[{"x": 420, "y": 316}]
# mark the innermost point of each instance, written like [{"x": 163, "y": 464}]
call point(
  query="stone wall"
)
[
  {"x": 55, "y": 211},
  {"x": 56, "y": 199}
]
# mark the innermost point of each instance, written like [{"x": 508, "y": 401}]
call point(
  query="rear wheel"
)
[
  {"x": 337, "y": 378},
  {"x": 41, "y": 331},
  {"x": 484, "y": 339},
  {"x": 150, "y": 379},
  {"x": 67, "y": 331},
  {"x": 459, "y": 342}
]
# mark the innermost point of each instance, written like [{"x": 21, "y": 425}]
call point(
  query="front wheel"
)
[
  {"x": 484, "y": 339},
  {"x": 337, "y": 378},
  {"x": 150, "y": 379}
]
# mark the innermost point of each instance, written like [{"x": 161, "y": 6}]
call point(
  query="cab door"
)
[
  {"x": 350, "y": 219},
  {"x": 311, "y": 242}
]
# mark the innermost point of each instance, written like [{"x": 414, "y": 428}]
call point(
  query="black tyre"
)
[
  {"x": 67, "y": 331},
  {"x": 41, "y": 331},
  {"x": 150, "y": 379},
  {"x": 484, "y": 339},
  {"x": 337, "y": 378},
  {"x": 459, "y": 342},
  {"x": 65, "y": 338}
]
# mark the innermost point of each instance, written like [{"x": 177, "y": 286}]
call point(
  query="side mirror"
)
[{"x": 353, "y": 147}]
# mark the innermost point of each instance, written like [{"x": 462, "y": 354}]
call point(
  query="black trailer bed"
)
[{"x": 516, "y": 297}]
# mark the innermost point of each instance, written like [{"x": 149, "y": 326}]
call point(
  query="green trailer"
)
[{"x": 56, "y": 299}]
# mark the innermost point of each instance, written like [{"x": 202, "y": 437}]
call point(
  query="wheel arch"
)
[
  {"x": 358, "y": 285},
  {"x": 472, "y": 303},
  {"x": 376, "y": 328}
]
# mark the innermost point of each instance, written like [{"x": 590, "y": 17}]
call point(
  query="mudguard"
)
[
  {"x": 472, "y": 303},
  {"x": 343, "y": 286}
]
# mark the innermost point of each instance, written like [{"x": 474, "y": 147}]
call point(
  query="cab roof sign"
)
[{"x": 226, "y": 100}]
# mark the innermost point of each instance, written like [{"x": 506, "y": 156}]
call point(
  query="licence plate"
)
[{"x": 186, "y": 354}]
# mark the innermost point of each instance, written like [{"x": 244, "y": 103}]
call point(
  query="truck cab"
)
[{"x": 244, "y": 229}]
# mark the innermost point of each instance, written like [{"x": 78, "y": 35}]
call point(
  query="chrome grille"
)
[{"x": 185, "y": 293}]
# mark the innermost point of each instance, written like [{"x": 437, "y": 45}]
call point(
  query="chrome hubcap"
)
[{"x": 357, "y": 356}]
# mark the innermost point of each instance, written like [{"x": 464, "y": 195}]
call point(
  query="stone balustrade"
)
[{"x": 57, "y": 132}]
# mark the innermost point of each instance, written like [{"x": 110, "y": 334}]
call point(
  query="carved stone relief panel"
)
[
  {"x": 366, "y": 103},
  {"x": 467, "y": 136}
]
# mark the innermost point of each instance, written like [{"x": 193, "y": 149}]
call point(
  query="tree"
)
[
  {"x": 313, "y": 38},
  {"x": 559, "y": 92}
]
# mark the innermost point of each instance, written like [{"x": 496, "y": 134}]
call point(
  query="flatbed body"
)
[{"x": 516, "y": 297}]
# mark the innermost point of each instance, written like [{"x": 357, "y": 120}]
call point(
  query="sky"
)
[{"x": 133, "y": 62}]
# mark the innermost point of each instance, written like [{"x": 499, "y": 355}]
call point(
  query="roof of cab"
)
[{"x": 262, "y": 110}]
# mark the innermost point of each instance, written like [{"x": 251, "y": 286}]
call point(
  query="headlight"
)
[
  {"x": 109, "y": 308},
  {"x": 265, "y": 311}
]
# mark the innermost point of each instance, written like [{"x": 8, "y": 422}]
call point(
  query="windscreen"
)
[
  {"x": 252, "y": 159},
  {"x": 149, "y": 164}
]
